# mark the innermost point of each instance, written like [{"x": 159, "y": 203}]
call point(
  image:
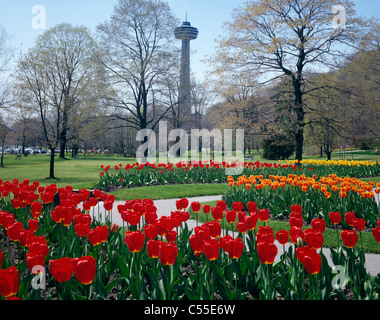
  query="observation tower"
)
[{"x": 186, "y": 33}]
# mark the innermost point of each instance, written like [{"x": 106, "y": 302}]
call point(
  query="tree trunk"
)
[
  {"x": 298, "y": 105},
  {"x": 2, "y": 151},
  {"x": 51, "y": 175},
  {"x": 62, "y": 149}
]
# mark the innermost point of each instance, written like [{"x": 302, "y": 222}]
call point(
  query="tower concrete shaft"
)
[{"x": 186, "y": 33}]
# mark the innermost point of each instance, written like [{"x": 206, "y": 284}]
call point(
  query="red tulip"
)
[
  {"x": 153, "y": 248},
  {"x": 235, "y": 248},
  {"x": 26, "y": 237},
  {"x": 9, "y": 281},
  {"x": 150, "y": 231},
  {"x": 7, "y": 219},
  {"x": 237, "y": 206},
  {"x": 241, "y": 215},
  {"x": 108, "y": 205},
  {"x": 171, "y": 236},
  {"x": 39, "y": 246},
  {"x": 150, "y": 217},
  {"x": 47, "y": 197},
  {"x": 359, "y": 224},
  {"x": 266, "y": 230},
  {"x": 203, "y": 232},
  {"x": 185, "y": 215},
  {"x": 224, "y": 242},
  {"x": 335, "y": 217},
  {"x": 252, "y": 206},
  {"x": 296, "y": 208},
  {"x": 282, "y": 236},
  {"x": 86, "y": 206},
  {"x": 33, "y": 225},
  {"x": 350, "y": 238},
  {"x": 349, "y": 217},
  {"x": 251, "y": 221},
  {"x": 295, "y": 234},
  {"x": 182, "y": 204},
  {"x": 313, "y": 263},
  {"x": 36, "y": 209},
  {"x": 98, "y": 235},
  {"x": 84, "y": 269},
  {"x": 296, "y": 222},
  {"x": 114, "y": 227},
  {"x": 82, "y": 229},
  {"x": 168, "y": 253},
  {"x": 166, "y": 223},
  {"x": 196, "y": 206},
  {"x": 14, "y": 230},
  {"x": 134, "y": 240},
  {"x": 310, "y": 259},
  {"x": 231, "y": 216},
  {"x": 97, "y": 194},
  {"x": 318, "y": 224},
  {"x": 242, "y": 228},
  {"x": 314, "y": 238},
  {"x": 265, "y": 237},
  {"x": 61, "y": 269},
  {"x": 376, "y": 233},
  {"x": 133, "y": 218},
  {"x": 263, "y": 214},
  {"x": 1, "y": 258},
  {"x": 304, "y": 250},
  {"x": 33, "y": 260},
  {"x": 206, "y": 208},
  {"x": 215, "y": 228},
  {"x": 196, "y": 244},
  {"x": 176, "y": 217},
  {"x": 16, "y": 203},
  {"x": 267, "y": 252},
  {"x": 217, "y": 213},
  {"x": 221, "y": 204},
  {"x": 211, "y": 249}
]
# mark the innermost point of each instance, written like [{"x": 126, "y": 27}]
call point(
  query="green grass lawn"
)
[
  {"x": 171, "y": 191},
  {"x": 79, "y": 173}
]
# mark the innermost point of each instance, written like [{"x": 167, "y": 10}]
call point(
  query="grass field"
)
[{"x": 79, "y": 173}]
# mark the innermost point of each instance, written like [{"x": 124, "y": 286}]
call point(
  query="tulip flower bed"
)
[
  {"x": 318, "y": 196},
  {"x": 148, "y": 174},
  {"x": 62, "y": 251}
]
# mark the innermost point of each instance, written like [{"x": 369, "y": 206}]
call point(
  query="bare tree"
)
[
  {"x": 6, "y": 54},
  {"x": 289, "y": 39},
  {"x": 138, "y": 44},
  {"x": 58, "y": 80}
]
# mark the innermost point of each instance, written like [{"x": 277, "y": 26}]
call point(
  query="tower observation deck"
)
[{"x": 186, "y": 33}]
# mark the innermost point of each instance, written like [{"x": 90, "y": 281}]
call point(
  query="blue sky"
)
[{"x": 207, "y": 15}]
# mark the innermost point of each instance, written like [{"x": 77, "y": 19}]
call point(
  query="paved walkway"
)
[{"x": 164, "y": 208}]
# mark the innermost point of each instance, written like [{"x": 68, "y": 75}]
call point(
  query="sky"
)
[{"x": 20, "y": 18}]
